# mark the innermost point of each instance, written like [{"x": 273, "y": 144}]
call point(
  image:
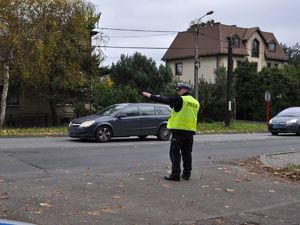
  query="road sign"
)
[{"x": 267, "y": 96}]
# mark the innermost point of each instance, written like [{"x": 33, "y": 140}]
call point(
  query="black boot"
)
[
  {"x": 172, "y": 177},
  {"x": 185, "y": 177}
]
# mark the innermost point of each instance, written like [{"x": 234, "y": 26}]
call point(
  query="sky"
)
[{"x": 276, "y": 16}]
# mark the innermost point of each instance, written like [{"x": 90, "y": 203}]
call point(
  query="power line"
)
[
  {"x": 158, "y": 48},
  {"x": 134, "y": 36},
  {"x": 139, "y": 30}
]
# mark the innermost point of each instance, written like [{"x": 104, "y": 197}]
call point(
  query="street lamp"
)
[
  {"x": 197, "y": 62},
  {"x": 93, "y": 32}
]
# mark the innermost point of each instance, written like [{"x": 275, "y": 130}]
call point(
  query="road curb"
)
[{"x": 263, "y": 158}]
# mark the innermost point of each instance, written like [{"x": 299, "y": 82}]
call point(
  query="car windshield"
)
[
  {"x": 290, "y": 112},
  {"x": 110, "y": 110}
]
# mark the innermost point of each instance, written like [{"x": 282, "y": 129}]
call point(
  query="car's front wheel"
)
[
  {"x": 103, "y": 134},
  {"x": 163, "y": 133}
]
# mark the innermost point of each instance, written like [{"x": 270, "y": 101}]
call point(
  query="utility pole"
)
[
  {"x": 229, "y": 81},
  {"x": 196, "y": 64},
  {"x": 197, "y": 61}
]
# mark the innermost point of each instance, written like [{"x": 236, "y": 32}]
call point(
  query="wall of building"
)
[
  {"x": 206, "y": 70},
  {"x": 261, "y": 61}
]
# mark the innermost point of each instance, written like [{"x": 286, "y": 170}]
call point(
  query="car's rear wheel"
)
[
  {"x": 274, "y": 133},
  {"x": 163, "y": 133},
  {"x": 103, "y": 134}
]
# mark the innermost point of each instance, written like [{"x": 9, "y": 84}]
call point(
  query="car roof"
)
[{"x": 143, "y": 103}]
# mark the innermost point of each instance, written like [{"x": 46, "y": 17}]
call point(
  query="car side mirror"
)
[{"x": 121, "y": 115}]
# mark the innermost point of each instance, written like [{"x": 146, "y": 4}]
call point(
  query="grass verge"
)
[
  {"x": 204, "y": 128},
  {"x": 33, "y": 132},
  {"x": 235, "y": 127}
]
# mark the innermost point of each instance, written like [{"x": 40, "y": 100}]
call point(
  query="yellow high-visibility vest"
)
[{"x": 186, "y": 118}]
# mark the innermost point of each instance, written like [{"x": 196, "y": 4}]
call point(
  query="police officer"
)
[{"x": 183, "y": 125}]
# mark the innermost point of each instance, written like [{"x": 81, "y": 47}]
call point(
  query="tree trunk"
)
[{"x": 4, "y": 93}]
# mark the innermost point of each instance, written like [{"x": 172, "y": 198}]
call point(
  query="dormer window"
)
[
  {"x": 255, "y": 48},
  {"x": 235, "y": 41},
  {"x": 272, "y": 46}
]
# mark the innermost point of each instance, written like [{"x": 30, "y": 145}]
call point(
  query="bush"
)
[{"x": 104, "y": 95}]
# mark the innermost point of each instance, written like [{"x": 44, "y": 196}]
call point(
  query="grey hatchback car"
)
[
  {"x": 123, "y": 120},
  {"x": 287, "y": 121}
]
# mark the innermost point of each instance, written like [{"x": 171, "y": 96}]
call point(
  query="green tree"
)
[
  {"x": 293, "y": 54},
  {"x": 248, "y": 91},
  {"x": 141, "y": 73},
  {"x": 13, "y": 36},
  {"x": 194, "y": 24},
  {"x": 282, "y": 89},
  {"x": 47, "y": 43},
  {"x": 213, "y": 96},
  {"x": 105, "y": 95},
  {"x": 61, "y": 34}
]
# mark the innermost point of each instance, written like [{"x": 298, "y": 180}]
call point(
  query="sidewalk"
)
[
  {"x": 280, "y": 160},
  {"x": 218, "y": 193}
]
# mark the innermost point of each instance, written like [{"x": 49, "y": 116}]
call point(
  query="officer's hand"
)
[{"x": 146, "y": 94}]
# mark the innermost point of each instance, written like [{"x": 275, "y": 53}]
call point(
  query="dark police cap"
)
[{"x": 183, "y": 86}]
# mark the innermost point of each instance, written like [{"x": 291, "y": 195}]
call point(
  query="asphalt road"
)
[
  {"x": 66, "y": 181},
  {"x": 19, "y": 155}
]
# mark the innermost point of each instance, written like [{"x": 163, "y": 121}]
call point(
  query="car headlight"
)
[
  {"x": 291, "y": 121},
  {"x": 87, "y": 123},
  {"x": 271, "y": 121}
]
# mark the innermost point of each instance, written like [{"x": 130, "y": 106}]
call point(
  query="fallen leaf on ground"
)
[
  {"x": 217, "y": 189},
  {"x": 93, "y": 213},
  {"x": 229, "y": 190},
  {"x": 121, "y": 184},
  {"x": 39, "y": 211},
  {"x": 45, "y": 204},
  {"x": 107, "y": 210},
  {"x": 117, "y": 196}
]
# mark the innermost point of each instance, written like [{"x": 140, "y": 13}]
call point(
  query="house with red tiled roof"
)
[{"x": 253, "y": 44}]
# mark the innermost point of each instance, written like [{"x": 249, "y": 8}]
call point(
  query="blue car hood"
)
[{"x": 91, "y": 117}]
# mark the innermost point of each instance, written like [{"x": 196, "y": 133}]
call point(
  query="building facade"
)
[{"x": 252, "y": 44}]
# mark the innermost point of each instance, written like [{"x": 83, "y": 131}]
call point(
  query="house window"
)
[
  {"x": 236, "y": 42},
  {"x": 269, "y": 65},
  {"x": 272, "y": 46},
  {"x": 178, "y": 68},
  {"x": 255, "y": 48}
]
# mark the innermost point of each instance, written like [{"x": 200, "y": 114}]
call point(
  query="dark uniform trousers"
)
[{"x": 181, "y": 145}]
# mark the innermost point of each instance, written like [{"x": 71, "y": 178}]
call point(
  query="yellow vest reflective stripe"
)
[{"x": 186, "y": 118}]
